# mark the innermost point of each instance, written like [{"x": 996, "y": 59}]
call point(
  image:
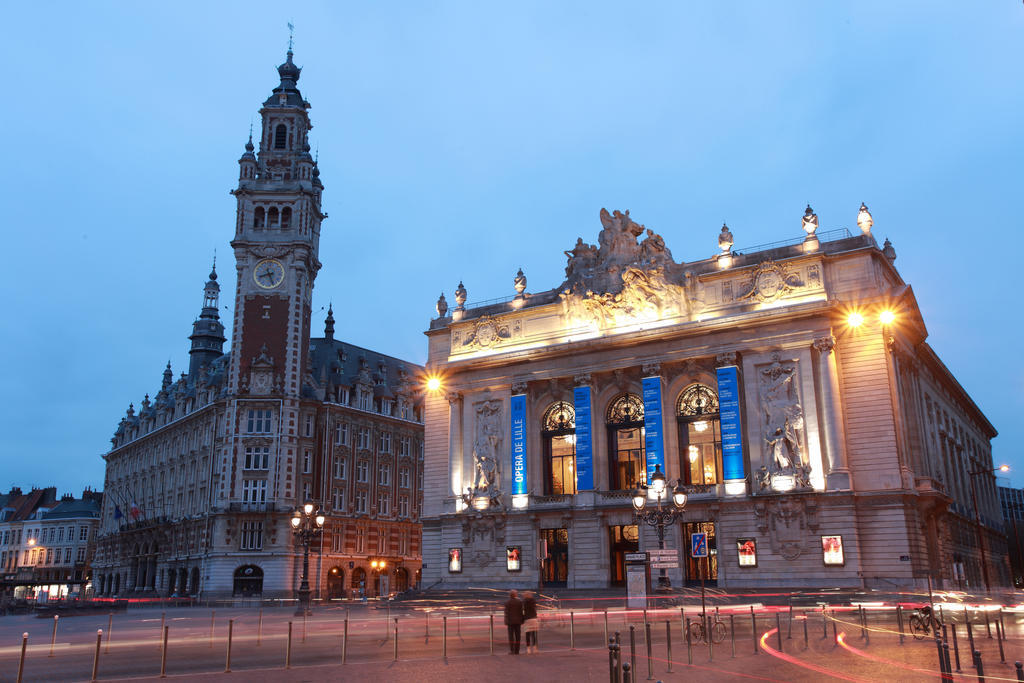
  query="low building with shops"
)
[{"x": 789, "y": 389}]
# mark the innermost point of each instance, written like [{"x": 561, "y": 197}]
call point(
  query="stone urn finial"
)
[
  {"x": 725, "y": 239},
  {"x": 888, "y": 251},
  {"x": 864, "y": 219},
  {"x": 442, "y": 306},
  {"x": 519, "y": 283},
  {"x": 810, "y": 221},
  {"x": 460, "y": 297}
]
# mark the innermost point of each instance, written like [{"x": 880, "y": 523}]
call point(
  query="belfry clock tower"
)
[{"x": 276, "y": 243}]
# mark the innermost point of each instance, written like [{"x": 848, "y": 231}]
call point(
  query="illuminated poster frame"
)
[
  {"x": 832, "y": 550},
  {"x": 454, "y": 560},
  {"x": 746, "y": 552},
  {"x": 514, "y": 558}
]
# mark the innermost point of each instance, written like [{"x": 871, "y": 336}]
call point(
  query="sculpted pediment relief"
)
[
  {"x": 644, "y": 295},
  {"x": 768, "y": 282}
]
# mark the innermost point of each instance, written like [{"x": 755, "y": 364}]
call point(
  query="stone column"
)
[
  {"x": 838, "y": 476},
  {"x": 455, "y": 443}
]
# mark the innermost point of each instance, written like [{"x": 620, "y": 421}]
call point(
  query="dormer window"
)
[{"x": 280, "y": 136}]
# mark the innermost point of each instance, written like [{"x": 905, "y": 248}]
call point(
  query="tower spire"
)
[{"x": 207, "y": 331}]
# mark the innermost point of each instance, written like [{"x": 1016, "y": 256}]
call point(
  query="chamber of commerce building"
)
[
  {"x": 789, "y": 390},
  {"x": 204, "y": 479}
]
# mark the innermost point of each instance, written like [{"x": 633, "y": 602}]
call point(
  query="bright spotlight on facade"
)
[
  {"x": 433, "y": 384},
  {"x": 886, "y": 317},
  {"x": 854, "y": 320}
]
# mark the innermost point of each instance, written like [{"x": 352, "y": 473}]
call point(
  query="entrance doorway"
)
[
  {"x": 621, "y": 540},
  {"x": 248, "y": 581},
  {"x": 694, "y": 565},
  {"x": 556, "y": 566},
  {"x": 401, "y": 580},
  {"x": 335, "y": 583},
  {"x": 359, "y": 582}
]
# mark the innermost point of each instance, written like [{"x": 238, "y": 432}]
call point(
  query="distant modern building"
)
[
  {"x": 46, "y": 544},
  {"x": 204, "y": 478},
  {"x": 789, "y": 387},
  {"x": 1012, "y": 502}
]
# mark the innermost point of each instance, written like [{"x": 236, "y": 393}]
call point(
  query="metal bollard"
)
[
  {"x": 824, "y": 622},
  {"x": 682, "y": 620},
  {"x": 863, "y": 622},
  {"x": 344, "y": 642},
  {"x": 778, "y": 630},
  {"x": 789, "y": 628},
  {"x": 689, "y": 644},
  {"x": 163, "y": 621},
  {"x": 227, "y": 661},
  {"x": 988, "y": 625},
  {"x": 304, "y": 613},
  {"x": 1000, "y": 636},
  {"x": 956, "y": 647},
  {"x": 444, "y": 636},
  {"x": 110, "y": 630},
  {"x": 805, "y": 631},
  {"x": 492, "y": 634},
  {"x": 979, "y": 666},
  {"x": 53, "y": 638},
  {"x": 650, "y": 659},
  {"x": 707, "y": 635},
  {"x": 668, "y": 643},
  {"x": 618, "y": 656},
  {"x": 213, "y": 615},
  {"x": 942, "y": 661},
  {"x": 942, "y": 619},
  {"x": 612, "y": 674},
  {"x": 96, "y": 657},
  {"x": 753, "y": 628},
  {"x": 632, "y": 644},
  {"x": 899, "y": 621},
  {"x": 627, "y": 674},
  {"x": 25, "y": 645},
  {"x": 606, "y": 624},
  {"x": 1020, "y": 670},
  {"x": 732, "y": 632},
  {"x": 288, "y": 649},
  {"x": 835, "y": 633},
  {"x": 970, "y": 635},
  {"x": 387, "y": 622},
  {"x": 259, "y": 627},
  {"x": 396, "y": 639},
  {"x": 945, "y": 662},
  {"x": 163, "y": 654},
  {"x": 572, "y": 630}
]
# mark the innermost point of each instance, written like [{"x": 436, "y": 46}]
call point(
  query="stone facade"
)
[
  {"x": 844, "y": 431},
  {"x": 203, "y": 480}
]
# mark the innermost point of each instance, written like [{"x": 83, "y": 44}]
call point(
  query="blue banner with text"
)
[
  {"x": 584, "y": 450},
  {"x": 653, "y": 441},
  {"x": 519, "y": 445},
  {"x": 732, "y": 430}
]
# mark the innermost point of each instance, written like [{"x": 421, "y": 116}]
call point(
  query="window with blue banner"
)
[
  {"x": 626, "y": 451},
  {"x": 700, "y": 437},
  {"x": 558, "y": 434}
]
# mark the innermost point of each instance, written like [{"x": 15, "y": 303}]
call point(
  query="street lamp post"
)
[
  {"x": 306, "y": 525},
  {"x": 977, "y": 518},
  {"x": 660, "y": 516}
]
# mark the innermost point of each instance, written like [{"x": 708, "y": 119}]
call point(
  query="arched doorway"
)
[
  {"x": 194, "y": 587},
  {"x": 401, "y": 580},
  {"x": 359, "y": 582},
  {"x": 172, "y": 575},
  {"x": 182, "y": 582},
  {"x": 248, "y": 581},
  {"x": 335, "y": 583},
  {"x": 117, "y": 584}
]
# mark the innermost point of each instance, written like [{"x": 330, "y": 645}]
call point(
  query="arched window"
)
[
  {"x": 336, "y": 583},
  {"x": 700, "y": 435},
  {"x": 286, "y": 218},
  {"x": 272, "y": 218},
  {"x": 248, "y": 581},
  {"x": 280, "y": 136},
  {"x": 259, "y": 217},
  {"x": 626, "y": 456},
  {"x": 558, "y": 432}
]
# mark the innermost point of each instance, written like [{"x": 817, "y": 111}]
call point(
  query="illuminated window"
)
[
  {"x": 626, "y": 454},
  {"x": 558, "y": 433},
  {"x": 700, "y": 435}
]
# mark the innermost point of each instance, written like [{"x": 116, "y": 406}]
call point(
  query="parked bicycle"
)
[
  {"x": 699, "y": 629},
  {"x": 923, "y": 623}
]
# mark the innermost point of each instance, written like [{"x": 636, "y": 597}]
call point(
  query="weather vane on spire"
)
[{"x": 291, "y": 34}]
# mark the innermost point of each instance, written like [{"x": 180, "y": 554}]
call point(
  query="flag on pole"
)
[
  {"x": 117, "y": 512},
  {"x": 135, "y": 511}
]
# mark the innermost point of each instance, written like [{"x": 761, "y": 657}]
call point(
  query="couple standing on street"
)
[{"x": 521, "y": 615}]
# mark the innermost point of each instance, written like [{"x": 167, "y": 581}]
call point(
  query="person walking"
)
[
  {"x": 530, "y": 624},
  {"x": 514, "y": 621}
]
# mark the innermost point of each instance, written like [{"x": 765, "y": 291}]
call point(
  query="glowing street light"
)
[
  {"x": 659, "y": 517},
  {"x": 433, "y": 383},
  {"x": 305, "y": 526},
  {"x": 886, "y": 317}
]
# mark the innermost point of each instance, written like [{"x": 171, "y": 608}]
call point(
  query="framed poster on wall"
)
[
  {"x": 513, "y": 558},
  {"x": 455, "y": 560},
  {"x": 832, "y": 550},
  {"x": 746, "y": 549}
]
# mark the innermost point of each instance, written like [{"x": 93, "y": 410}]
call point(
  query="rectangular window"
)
[
  {"x": 338, "y": 540},
  {"x": 83, "y": 533},
  {"x": 343, "y": 396},
  {"x": 252, "y": 536},
  {"x": 307, "y": 490},
  {"x": 387, "y": 406},
  {"x": 403, "y": 477},
  {"x": 258, "y": 421},
  {"x": 403, "y": 506},
  {"x": 384, "y": 475},
  {"x": 309, "y": 425},
  {"x": 67, "y": 555},
  {"x": 365, "y": 400},
  {"x": 307, "y": 461},
  {"x": 341, "y": 434},
  {"x": 403, "y": 544},
  {"x": 382, "y": 541},
  {"x": 385, "y": 442},
  {"x": 339, "y": 467},
  {"x": 361, "y": 501},
  {"x": 364, "y": 437},
  {"x": 338, "y": 499},
  {"x": 361, "y": 540},
  {"x": 405, "y": 446},
  {"x": 254, "y": 490},
  {"x": 257, "y": 457},
  {"x": 363, "y": 471},
  {"x": 383, "y": 503}
]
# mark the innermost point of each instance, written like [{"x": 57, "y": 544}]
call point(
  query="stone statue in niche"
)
[
  {"x": 486, "y": 449},
  {"x": 783, "y": 420}
]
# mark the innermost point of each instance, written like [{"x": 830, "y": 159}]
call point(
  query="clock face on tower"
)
[{"x": 268, "y": 273}]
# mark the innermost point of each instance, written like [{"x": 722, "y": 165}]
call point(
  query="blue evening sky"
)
[{"x": 463, "y": 140}]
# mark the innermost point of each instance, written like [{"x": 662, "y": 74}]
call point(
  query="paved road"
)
[{"x": 573, "y": 646}]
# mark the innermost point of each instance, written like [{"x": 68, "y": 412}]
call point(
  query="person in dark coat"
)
[
  {"x": 514, "y": 621},
  {"x": 530, "y": 623}
]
